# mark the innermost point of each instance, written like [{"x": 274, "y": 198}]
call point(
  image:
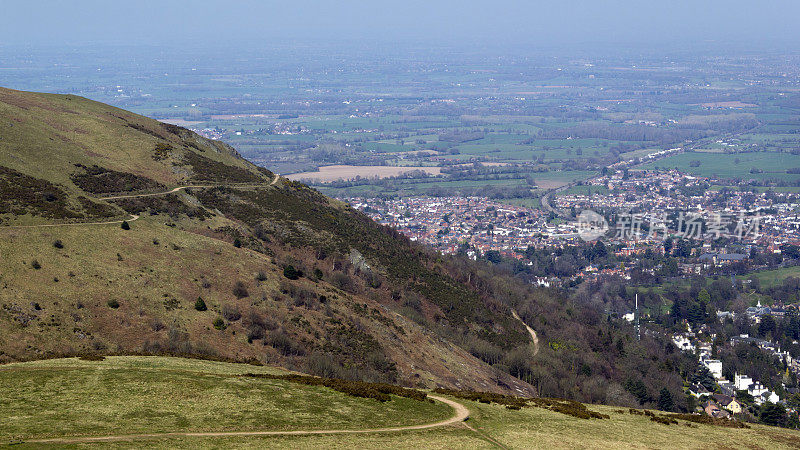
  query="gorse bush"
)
[
  {"x": 219, "y": 324},
  {"x": 125, "y": 225},
  {"x": 200, "y": 304},
  {"x": 58, "y": 244},
  {"x": 291, "y": 273}
]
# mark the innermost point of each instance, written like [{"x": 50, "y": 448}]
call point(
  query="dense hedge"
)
[
  {"x": 377, "y": 391},
  {"x": 708, "y": 420}
]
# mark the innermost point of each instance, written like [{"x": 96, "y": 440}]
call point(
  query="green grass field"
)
[
  {"x": 128, "y": 395},
  {"x": 132, "y": 395},
  {"x": 725, "y": 165},
  {"x": 770, "y": 278}
]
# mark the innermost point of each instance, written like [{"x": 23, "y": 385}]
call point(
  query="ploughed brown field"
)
[{"x": 344, "y": 172}]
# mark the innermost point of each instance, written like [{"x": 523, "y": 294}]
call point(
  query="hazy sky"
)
[{"x": 527, "y": 22}]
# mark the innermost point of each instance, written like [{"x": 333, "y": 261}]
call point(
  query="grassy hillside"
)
[
  {"x": 237, "y": 264},
  {"x": 59, "y": 152},
  {"x": 150, "y": 395},
  {"x": 96, "y": 288},
  {"x": 129, "y": 395}
]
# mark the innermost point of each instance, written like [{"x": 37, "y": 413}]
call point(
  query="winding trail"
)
[
  {"x": 461, "y": 413},
  {"x": 191, "y": 186},
  {"x": 172, "y": 191},
  {"x": 530, "y": 331}
]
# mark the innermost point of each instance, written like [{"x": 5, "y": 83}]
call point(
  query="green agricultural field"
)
[{"x": 773, "y": 165}]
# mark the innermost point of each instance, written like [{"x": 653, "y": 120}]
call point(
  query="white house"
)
[
  {"x": 757, "y": 389},
  {"x": 683, "y": 343},
  {"x": 715, "y": 367},
  {"x": 742, "y": 382},
  {"x": 770, "y": 396}
]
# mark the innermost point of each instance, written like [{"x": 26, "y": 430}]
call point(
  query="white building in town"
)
[
  {"x": 742, "y": 382},
  {"x": 715, "y": 367},
  {"x": 683, "y": 343}
]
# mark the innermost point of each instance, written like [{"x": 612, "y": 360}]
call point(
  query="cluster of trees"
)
[
  {"x": 583, "y": 354},
  {"x": 563, "y": 261}
]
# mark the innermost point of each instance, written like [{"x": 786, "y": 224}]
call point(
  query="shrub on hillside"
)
[
  {"x": 125, "y": 225},
  {"x": 21, "y": 194},
  {"x": 206, "y": 169},
  {"x": 113, "y": 304},
  {"x": 708, "y": 420},
  {"x": 257, "y": 325},
  {"x": 240, "y": 290},
  {"x": 291, "y": 273},
  {"x": 282, "y": 342},
  {"x": 97, "y": 180},
  {"x": 343, "y": 282},
  {"x": 323, "y": 365},
  {"x": 559, "y": 405},
  {"x": 58, "y": 244},
  {"x": 200, "y": 304},
  {"x": 231, "y": 313},
  {"x": 35, "y": 264},
  {"x": 219, "y": 324}
]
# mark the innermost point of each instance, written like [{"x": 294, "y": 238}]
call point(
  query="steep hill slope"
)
[
  {"x": 241, "y": 265},
  {"x": 222, "y": 259}
]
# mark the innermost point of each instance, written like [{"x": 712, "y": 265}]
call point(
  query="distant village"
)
[
  {"x": 727, "y": 399},
  {"x": 645, "y": 207}
]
